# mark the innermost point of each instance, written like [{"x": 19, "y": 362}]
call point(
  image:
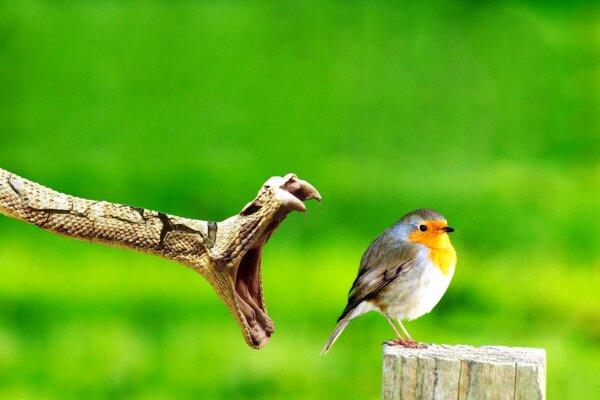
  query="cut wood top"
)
[{"x": 489, "y": 354}]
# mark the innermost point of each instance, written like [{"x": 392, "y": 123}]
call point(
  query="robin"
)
[{"x": 403, "y": 274}]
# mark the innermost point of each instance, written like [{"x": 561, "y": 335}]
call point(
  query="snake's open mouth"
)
[
  {"x": 249, "y": 293},
  {"x": 290, "y": 193}
]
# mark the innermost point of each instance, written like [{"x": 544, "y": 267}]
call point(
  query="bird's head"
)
[
  {"x": 429, "y": 228},
  {"x": 425, "y": 226}
]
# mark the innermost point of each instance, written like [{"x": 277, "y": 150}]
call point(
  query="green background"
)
[{"x": 486, "y": 111}]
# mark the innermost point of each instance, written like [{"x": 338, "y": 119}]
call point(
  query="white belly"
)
[{"x": 415, "y": 293}]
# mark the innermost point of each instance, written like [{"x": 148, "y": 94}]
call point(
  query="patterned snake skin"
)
[{"x": 226, "y": 253}]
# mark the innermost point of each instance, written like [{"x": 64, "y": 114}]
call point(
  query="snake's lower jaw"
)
[{"x": 256, "y": 325}]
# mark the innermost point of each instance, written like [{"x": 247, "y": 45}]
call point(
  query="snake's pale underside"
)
[{"x": 226, "y": 253}]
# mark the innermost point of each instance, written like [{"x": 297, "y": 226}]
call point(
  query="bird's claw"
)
[{"x": 408, "y": 344}]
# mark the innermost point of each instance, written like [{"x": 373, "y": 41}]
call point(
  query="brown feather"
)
[{"x": 385, "y": 259}]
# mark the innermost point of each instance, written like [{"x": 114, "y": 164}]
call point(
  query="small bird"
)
[{"x": 403, "y": 274}]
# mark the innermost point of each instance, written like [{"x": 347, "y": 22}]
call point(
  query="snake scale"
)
[{"x": 226, "y": 253}]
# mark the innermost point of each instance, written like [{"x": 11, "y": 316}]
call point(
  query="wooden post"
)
[{"x": 442, "y": 372}]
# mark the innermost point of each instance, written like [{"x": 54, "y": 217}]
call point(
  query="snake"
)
[{"x": 227, "y": 253}]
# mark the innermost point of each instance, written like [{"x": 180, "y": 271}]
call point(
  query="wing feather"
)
[{"x": 384, "y": 260}]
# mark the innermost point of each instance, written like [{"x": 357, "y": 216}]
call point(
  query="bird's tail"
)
[{"x": 339, "y": 328}]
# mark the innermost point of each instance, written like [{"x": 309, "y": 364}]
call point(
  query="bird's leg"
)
[
  {"x": 404, "y": 329},
  {"x": 410, "y": 341},
  {"x": 394, "y": 327},
  {"x": 400, "y": 341}
]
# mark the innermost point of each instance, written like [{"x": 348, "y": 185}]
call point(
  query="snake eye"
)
[{"x": 422, "y": 228}]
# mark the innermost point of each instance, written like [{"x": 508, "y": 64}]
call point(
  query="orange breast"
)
[
  {"x": 443, "y": 258},
  {"x": 442, "y": 253}
]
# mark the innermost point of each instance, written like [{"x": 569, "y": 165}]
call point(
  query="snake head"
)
[{"x": 238, "y": 250}]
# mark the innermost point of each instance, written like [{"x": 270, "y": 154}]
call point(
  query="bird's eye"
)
[{"x": 422, "y": 228}]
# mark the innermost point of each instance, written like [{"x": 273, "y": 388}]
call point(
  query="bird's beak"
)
[{"x": 447, "y": 229}]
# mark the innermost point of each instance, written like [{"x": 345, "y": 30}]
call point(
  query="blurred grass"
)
[{"x": 487, "y": 112}]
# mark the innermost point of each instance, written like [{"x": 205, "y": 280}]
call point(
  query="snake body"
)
[{"x": 226, "y": 253}]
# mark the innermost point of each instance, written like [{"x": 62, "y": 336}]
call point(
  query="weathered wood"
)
[{"x": 442, "y": 372}]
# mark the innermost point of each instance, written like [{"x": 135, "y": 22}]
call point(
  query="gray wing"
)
[{"x": 384, "y": 261}]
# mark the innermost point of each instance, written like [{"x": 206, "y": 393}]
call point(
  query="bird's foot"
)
[
  {"x": 408, "y": 343},
  {"x": 413, "y": 344}
]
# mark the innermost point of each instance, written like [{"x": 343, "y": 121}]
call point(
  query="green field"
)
[{"x": 485, "y": 111}]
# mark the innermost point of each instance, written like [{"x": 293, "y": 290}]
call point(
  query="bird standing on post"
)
[{"x": 403, "y": 274}]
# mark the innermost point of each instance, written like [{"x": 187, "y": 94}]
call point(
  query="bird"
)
[{"x": 403, "y": 274}]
